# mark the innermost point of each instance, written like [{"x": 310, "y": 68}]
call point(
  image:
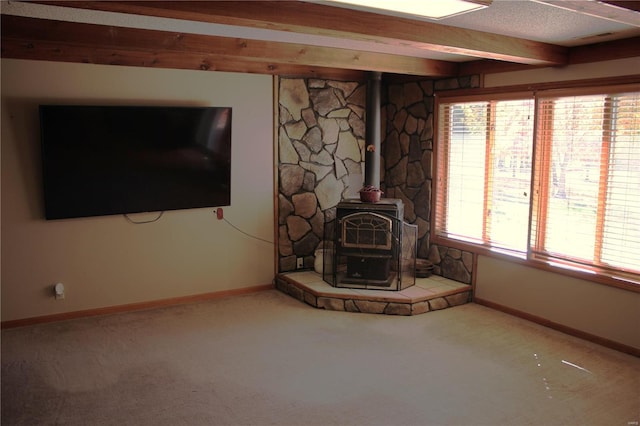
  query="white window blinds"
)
[
  {"x": 587, "y": 186},
  {"x": 577, "y": 150},
  {"x": 484, "y": 162}
]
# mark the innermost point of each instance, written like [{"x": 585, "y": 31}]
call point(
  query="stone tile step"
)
[{"x": 428, "y": 294}]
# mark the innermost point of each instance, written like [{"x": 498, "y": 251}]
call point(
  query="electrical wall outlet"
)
[
  {"x": 58, "y": 291},
  {"x": 300, "y": 263}
]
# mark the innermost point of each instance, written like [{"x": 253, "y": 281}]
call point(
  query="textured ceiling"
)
[
  {"x": 547, "y": 21},
  {"x": 540, "y": 21}
]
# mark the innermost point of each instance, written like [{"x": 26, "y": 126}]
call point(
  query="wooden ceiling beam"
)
[
  {"x": 322, "y": 20},
  {"x": 44, "y": 51},
  {"x": 66, "y": 41},
  {"x": 605, "y": 51}
]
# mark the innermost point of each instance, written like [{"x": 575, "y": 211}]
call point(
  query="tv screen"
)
[{"x": 105, "y": 160}]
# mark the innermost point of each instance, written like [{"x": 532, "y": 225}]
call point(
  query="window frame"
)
[
  {"x": 490, "y": 140},
  {"x": 598, "y": 274}
]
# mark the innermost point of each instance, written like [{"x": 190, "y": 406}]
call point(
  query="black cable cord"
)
[{"x": 126, "y": 216}]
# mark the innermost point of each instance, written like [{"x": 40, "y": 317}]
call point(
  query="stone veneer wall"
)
[
  {"x": 321, "y": 139},
  {"x": 321, "y": 159},
  {"x": 407, "y": 163}
]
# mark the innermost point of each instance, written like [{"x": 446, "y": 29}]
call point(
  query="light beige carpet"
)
[{"x": 267, "y": 359}]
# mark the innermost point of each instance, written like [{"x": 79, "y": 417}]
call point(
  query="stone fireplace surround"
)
[{"x": 321, "y": 152}]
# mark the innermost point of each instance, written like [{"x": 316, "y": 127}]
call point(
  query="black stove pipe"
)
[{"x": 372, "y": 131}]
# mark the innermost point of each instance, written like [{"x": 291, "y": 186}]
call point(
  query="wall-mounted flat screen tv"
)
[{"x": 105, "y": 160}]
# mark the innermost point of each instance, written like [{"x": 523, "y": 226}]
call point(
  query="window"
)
[
  {"x": 552, "y": 176},
  {"x": 587, "y": 207},
  {"x": 484, "y": 179}
]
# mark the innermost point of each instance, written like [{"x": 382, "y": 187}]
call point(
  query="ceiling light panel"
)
[{"x": 431, "y": 9}]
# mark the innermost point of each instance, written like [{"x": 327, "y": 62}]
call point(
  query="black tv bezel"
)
[{"x": 55, "y": 213}]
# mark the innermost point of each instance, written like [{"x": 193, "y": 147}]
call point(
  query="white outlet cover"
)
[{"x": 59, "y": 289}]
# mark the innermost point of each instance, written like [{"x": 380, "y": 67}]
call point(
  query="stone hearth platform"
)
[{"x": 428, "y": 294}]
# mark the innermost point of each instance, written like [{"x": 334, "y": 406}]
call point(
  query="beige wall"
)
[
  {"x": 599, "y": 310},
  {"x": 107, "y": 261}
]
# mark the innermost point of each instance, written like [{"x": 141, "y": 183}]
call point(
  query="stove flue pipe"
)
[{"x": 372, "y": 130}]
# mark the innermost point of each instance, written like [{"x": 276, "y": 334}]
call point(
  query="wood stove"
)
[{"x": 372, "y": 247}]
